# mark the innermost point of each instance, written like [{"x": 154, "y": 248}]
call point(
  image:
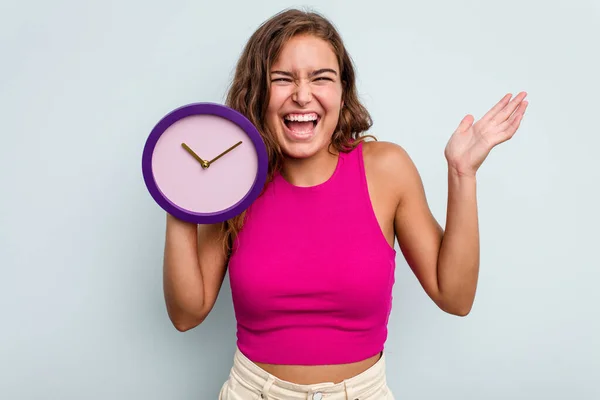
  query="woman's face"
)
[{"x": 306, "y": 96}]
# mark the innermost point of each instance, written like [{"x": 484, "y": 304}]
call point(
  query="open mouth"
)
[{"x": 301, "y": 124}]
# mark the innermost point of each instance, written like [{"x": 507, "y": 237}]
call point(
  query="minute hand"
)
[{"x": 225, "y": 152}]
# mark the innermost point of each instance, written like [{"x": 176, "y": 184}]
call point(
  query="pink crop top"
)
[{"x": 311, "y": 272}]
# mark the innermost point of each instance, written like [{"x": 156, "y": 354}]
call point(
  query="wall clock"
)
[{"x": 204, "y": 163}]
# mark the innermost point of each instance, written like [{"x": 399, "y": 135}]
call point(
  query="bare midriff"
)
[{"x": 313, "y": 374}]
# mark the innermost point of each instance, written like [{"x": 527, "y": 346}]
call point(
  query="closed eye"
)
[{"x": 289, "y": 80}]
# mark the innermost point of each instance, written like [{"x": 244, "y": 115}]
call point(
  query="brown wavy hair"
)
[{"x": 249, "y": 90}]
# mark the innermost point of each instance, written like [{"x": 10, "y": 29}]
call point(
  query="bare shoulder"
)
[
  {"x": 390, "y": 178},
  {"x": 390, "y": 165},
  {"x": 384, "y": 153},
  {"x": 399, "y": 193}
]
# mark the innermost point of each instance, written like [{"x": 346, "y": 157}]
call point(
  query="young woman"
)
[{"x": 311, "y": 262}]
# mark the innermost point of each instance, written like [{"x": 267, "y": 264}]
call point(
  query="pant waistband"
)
[{"x": 362, "y": 385}]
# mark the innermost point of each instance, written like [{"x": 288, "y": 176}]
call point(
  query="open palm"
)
[{"x": 471, "y": 143}]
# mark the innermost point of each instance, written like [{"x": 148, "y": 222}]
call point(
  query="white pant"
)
[{"x": 247, "y": 381}]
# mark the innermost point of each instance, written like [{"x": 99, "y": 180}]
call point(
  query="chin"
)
[
  {"x": 304, "y": 148},
  {"x": 301, "y": 151}
]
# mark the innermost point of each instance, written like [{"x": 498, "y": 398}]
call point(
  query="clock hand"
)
[
  {"x": 225, "y": 152},
  {"x": 204, "y": 164}
]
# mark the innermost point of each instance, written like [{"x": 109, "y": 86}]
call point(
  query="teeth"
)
[{"x": 301, "y": 117}]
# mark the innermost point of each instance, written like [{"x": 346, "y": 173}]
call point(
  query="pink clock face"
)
[{"x": 182, "y": 179}]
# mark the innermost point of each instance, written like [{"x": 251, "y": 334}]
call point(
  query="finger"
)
[
  {"x": 506, "y": 112},
  {"x": 511, "y": 120},
  {"x": 496, "y": 109},
  {"x": 511, "y": 126},
  {"x": 466, "y": 123}
]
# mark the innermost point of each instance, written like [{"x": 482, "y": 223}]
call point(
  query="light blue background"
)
[{"x": 82, "y": 83}]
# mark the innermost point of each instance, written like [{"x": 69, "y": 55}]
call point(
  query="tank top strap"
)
[{"x": 351, "y": 170}]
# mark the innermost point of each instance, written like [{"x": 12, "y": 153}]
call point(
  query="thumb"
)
[{"x": 466, "y": 123}]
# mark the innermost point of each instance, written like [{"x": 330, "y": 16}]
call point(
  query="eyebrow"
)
[{"x": 317, "y": 72}]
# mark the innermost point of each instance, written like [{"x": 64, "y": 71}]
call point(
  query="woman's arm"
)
[
  {"x": 193, "y": 271},
  {"x": 446, "y": 261},
  {"x": 458, "y": 260}
]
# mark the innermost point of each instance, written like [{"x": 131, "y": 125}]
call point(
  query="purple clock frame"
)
[{"x": 203, "y": 109}]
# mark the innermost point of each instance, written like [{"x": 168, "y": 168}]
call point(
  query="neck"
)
[{"x": 310, "y": 171}]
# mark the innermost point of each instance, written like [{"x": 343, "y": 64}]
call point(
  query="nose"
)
[{"x": 302, "y": 95}]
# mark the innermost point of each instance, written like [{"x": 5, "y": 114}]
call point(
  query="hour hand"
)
[
  {"x": 225, "y": 152},
  {"x": 202, "y": 162}
]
